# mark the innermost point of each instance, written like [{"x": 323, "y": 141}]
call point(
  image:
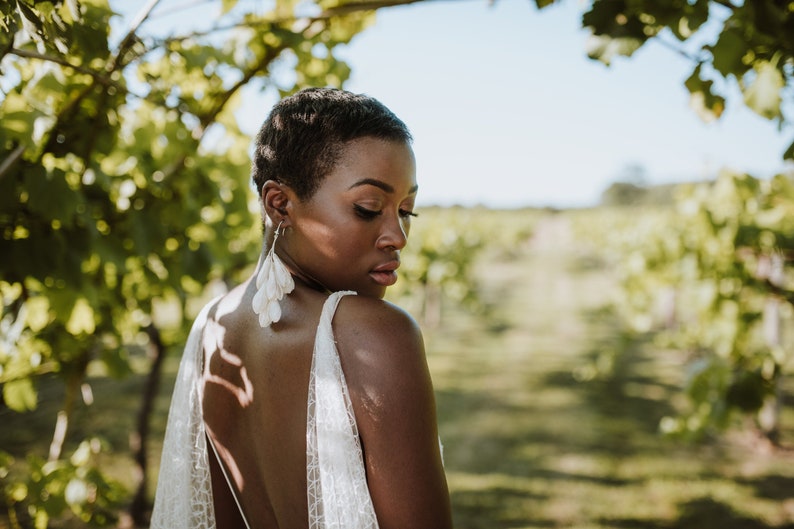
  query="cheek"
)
[
  {"x": 351, "y": 240},
  {"x": 336, "y": 241}
]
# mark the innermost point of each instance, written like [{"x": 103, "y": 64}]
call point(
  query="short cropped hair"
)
[{"x": 302, "y": 139}]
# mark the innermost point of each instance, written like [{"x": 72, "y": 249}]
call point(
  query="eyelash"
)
[{"x": 368, "y": 214}]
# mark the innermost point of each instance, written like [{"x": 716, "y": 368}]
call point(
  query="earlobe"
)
[{"x": 277, "y": 202}]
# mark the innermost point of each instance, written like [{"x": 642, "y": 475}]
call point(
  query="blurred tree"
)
[
  {"x": 623, "y": 194},
  {"x": 123, "y": 192},
  {"x": 752, "y": 45},
  {"x": 634, "y": 173},
  {"x": 629, "y": 188},
  {"x": 722, "y": 259}
]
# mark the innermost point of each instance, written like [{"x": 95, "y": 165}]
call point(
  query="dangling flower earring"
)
[{"x": 272, "y": 283}]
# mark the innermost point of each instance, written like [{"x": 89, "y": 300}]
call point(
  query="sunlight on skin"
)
[
  {"x": 213, "y": 341},
  {"x": 228, "y": 462}
]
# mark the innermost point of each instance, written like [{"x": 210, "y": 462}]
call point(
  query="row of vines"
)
[
  {"x": 445, "y": 247},
  {"x": 713, "y": 277}
]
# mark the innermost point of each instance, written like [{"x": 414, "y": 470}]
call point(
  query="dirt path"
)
[{"x": 505, "y": 384}]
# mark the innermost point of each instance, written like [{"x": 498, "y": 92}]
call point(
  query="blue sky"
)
[{"x": 508, "y": 111}]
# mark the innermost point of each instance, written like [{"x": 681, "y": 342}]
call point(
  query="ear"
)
[{"x": 277, "y": 201}]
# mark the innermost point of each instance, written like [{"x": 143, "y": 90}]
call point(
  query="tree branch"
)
[
  {"x": 677, "y": 49},
  {"x": 8, "y": 48},
  {"x": 353, "y": 7},
  {"x": 207, "y": 119},
  {"x": 270, "y": 56},
  {"x": 11, "y": 159},
  {"x": 139, "y": 438},
  {"x": 129, "y": 38},
  {"x": 99, "y": 77},
  {"x": 177, "y": 8},
  {"x": 365, "y": 5}
]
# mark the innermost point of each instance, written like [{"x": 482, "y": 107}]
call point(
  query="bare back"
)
[
  {"x": 255, "y": 399},
  {"x": 255, "y": 411}
]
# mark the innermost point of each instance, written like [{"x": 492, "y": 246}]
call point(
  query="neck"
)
[{"x": 299, "y": 275}]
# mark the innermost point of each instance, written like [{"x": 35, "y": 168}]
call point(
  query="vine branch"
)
[
  {"x": 100, "y": 78},
  {"x": 11, "y": 159}
]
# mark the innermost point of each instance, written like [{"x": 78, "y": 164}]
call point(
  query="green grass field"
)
[{"x": 548, "y": 411}]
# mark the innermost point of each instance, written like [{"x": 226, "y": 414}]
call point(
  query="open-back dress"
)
[{"x": 337, "y": 491}]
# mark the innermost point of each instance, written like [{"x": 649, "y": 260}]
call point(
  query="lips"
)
[{"x": 385, "y": 274}]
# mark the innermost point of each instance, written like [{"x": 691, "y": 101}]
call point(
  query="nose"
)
[{"x": 393, "y": 234}]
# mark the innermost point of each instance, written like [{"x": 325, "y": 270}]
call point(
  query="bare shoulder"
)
[
  {"x": 373, "y": 313},
  {"x": 377, "y": 331},
  {"x": 383, "y": 358}
]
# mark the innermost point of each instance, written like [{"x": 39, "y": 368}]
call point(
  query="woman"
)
[{"x": 304, "y": 399}]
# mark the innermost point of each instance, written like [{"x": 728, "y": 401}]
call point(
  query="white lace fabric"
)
[
  {"x": 336, "y": 478},
  {"x": 184, "y": 489},
  {"x": 338, "y": 497}
]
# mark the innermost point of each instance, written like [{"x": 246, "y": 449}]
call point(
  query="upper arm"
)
[{"x": 383, "y": 357}]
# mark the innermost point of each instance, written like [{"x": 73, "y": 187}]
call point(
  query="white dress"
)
[{"x": 337, "y": 490}]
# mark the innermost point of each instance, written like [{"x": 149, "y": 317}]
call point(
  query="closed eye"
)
[
  {"x": 366, "y": 214},
  {"x": 408, "y": 213}
]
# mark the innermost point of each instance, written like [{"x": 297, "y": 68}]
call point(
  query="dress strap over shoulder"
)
[
  {"x": 329, "y": 307},
  {"x": 336, "y": 478}
]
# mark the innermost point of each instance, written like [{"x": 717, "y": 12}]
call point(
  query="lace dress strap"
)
[{"x": 336, "y": 477}]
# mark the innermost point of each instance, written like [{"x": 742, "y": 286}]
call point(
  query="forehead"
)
[{"x": 364, "y": 159}]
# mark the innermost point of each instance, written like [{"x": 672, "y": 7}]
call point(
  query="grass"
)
[{"x": 548, "y": 411}]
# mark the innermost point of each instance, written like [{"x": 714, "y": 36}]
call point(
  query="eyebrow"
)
[{"x": 381, "y": 185}]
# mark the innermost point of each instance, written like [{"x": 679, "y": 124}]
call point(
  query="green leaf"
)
[
  {"x": 789, "y": 154},
  {"x": 117, "y": 362},
  {"x": 543, "y": 3},
  {"x": 38, "y": 313},
  {"x": 694, "y": 16},
  {"x": 227, "y": 5},
  {"x": 82, "y": 318},
  {"x": 602, "y": 15},
  {"x": 31, "y": 21},
  {"x": 26, "y": 125},
  {"x": 42, "y": 518},
  {"x": 605, "y": 48},
  {"x": 20, "y": 395},
  {"x": 82, "y": 456},
  {"x": 77, "y": 492},
  {"x": 763, "y": 94},
  {"x": 728, "y": 52},
  {"x": 74, "y": 10},
  {"x": 702, "y": 100},
  {"x": 90, "y": 36},
  {"x": 747, "y": 391},
  {"x": 8, "y": 28},
  {"x": 50, "y": 195}
]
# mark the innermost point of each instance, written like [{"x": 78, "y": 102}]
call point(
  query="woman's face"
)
[{"x": 349, "y": 234}]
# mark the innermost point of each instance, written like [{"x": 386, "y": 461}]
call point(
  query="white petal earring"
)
[{"x": 273, "y": 282}]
